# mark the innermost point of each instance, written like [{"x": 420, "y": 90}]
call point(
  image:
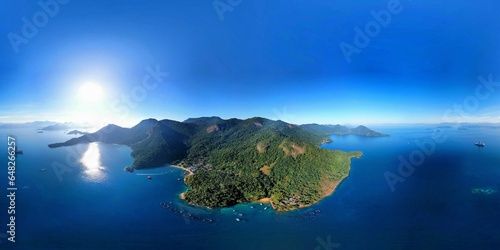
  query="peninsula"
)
[{"x": 234, "y": 161}]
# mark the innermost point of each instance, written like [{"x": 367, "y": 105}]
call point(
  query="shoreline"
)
[
  {"x": 189, "y": 172},
  {"x": 185, "y": 169},
  {"x": 336, "y": 184},
  {"x": 265, "y": 201}
]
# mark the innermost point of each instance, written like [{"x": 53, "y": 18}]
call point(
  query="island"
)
[
  {"x": 235, "y": 161},
  {"x": 76, "y": 132},
  {"x": 63, "y": 126},
  {"x": 341, "y": 130}
]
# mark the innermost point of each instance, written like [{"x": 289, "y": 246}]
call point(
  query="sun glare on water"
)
[{"x": 91, "y": 161}]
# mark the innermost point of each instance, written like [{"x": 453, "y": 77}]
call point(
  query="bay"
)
[{"x": 449, "y": 201}]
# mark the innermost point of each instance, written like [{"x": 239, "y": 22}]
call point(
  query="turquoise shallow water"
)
[{"x": 450, "y": 201}]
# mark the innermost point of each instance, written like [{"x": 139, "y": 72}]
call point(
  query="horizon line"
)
[{"x": 344, "y": 124}]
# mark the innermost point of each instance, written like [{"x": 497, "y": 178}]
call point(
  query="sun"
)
[{"x": 90, "y": 93}]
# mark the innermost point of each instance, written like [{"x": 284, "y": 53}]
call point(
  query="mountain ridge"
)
[{"x": 341, "y": 130}]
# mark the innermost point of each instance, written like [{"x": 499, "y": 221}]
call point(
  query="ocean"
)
[{"x": 80, "y": 197}]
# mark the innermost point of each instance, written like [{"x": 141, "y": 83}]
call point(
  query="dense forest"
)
[
  {"x": 340, "y": 130},
  {"x": 234, "y": 161}
]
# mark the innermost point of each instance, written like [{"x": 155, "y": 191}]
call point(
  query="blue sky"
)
[{"x": 279, "y": 59}]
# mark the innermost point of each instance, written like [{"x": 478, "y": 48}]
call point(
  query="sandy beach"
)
[
  {"x": 264, "y": 200},
  {"x": 185, "y": 169}
]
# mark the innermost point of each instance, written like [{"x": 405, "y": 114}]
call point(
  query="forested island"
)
[
  {"x": 234, "y": 161},
  {"x": 341, "y": 130}
]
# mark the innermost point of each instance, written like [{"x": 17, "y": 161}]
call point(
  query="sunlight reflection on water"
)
[{"x": 91, "y": 161}]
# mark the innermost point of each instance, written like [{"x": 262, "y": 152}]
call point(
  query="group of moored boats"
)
[
  {"x": 206, "y": 220},
  {"x": 183, "y": 213}
]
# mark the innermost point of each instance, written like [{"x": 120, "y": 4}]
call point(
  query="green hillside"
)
[{"x": 340, "y": 130}]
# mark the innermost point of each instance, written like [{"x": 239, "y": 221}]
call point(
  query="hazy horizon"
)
[{"x": 133, "y": 123}]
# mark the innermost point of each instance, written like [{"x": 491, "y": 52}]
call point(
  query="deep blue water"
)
[{"x": 450, "y": 201}]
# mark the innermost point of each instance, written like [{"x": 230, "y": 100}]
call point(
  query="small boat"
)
[
  {"x": 238, "y": 219},
  {"x": 480, "y": 144},
  {"x": 149, "y": 177},
  {"x": 42, "y": 170},
  {"x": 266, "y": 208}
]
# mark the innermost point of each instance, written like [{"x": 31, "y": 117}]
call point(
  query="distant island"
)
[
  {"x": 235, "y": 161},
  {"x": 63, "y": 126},
  {"x": 341, "y": 130},
  {"x": 76, "y": 132}
]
